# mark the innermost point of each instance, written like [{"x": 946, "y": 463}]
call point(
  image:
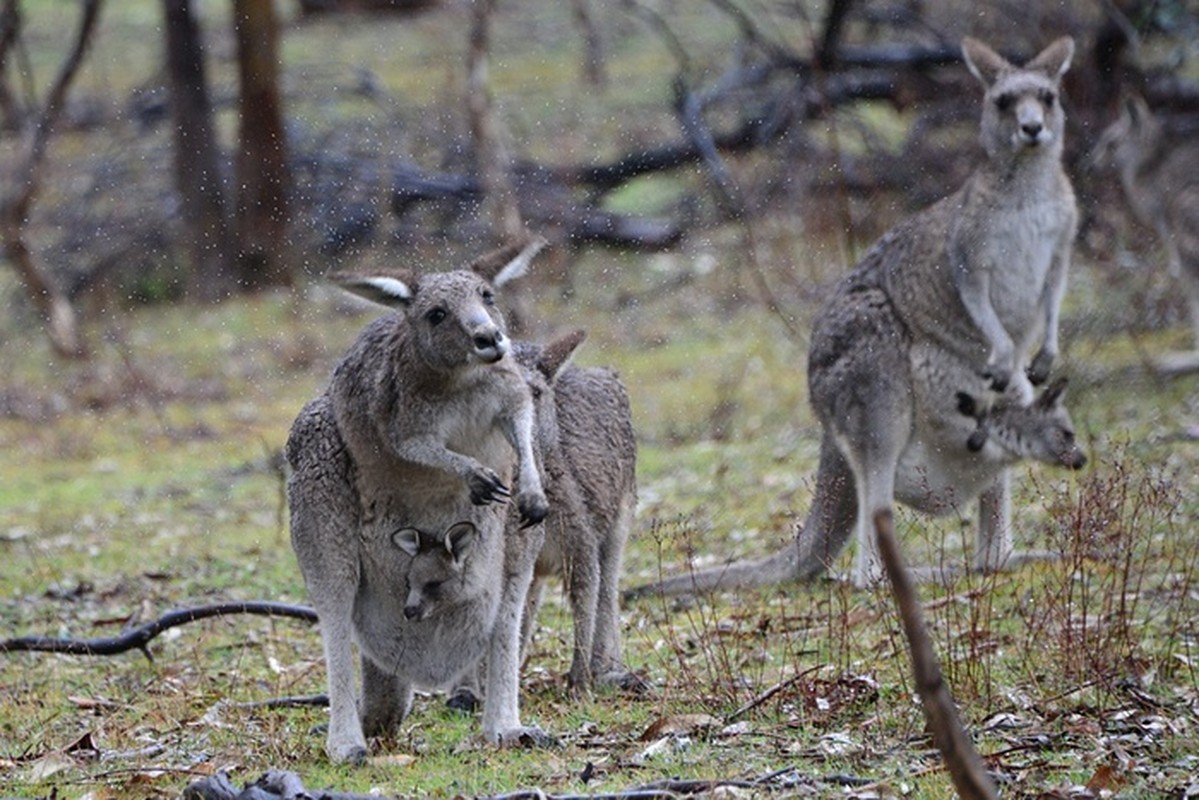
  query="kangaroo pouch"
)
[{"x": 434, "y": 650}]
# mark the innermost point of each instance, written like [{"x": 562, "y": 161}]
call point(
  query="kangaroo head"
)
[
  {"x": 1042, "y": 431},
  {"x": 1022, "y": 110},
  {"x": 452, "y": 316},
  {"x": 436, "y": 577},
  {"x": 1130, "y": 140},
  {"x": 541, "y": 365}
]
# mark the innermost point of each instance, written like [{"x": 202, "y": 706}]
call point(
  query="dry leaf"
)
[
  {"x": 392, "y": 760},
  {"x": 678, "y": 724}
]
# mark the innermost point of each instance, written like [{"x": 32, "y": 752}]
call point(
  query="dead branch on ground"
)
[{"x": 139, "y": 638}]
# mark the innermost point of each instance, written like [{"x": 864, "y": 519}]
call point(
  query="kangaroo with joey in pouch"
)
[
  {"x": 962, "y": 297},
  {"x": 424, "y": 424},
  {"x": 1159, "y": 172},
  {"x": 588, "y": 452}
]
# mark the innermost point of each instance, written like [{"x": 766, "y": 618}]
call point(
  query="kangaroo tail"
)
[{"x": 817, "y": 542}]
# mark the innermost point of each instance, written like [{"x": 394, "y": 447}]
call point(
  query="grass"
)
[{"x": 148, "y": 478}]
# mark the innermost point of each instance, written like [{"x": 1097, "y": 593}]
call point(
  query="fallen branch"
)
[
  {"x": 139, "y": 637},
  {"x": 940, "y": 714}
]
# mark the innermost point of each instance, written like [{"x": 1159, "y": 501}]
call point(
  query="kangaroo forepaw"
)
[
  {"x": 533, "y": 509},
  {"x": 486, "y": 487},
  {"x": 1038, "y": 370}
]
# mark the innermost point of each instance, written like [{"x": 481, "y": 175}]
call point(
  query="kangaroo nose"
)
[
  {"x": 1031, "y": 129},
  {"x": 411, "y": 612},
  {"x": 490, "y": 339}
]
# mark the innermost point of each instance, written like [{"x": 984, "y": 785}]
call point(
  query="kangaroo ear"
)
[
  {"x": 1055, "y": 59},
  {"x": 1053, "y": 394},
  {"x": 967, "y": 405},
  {"x": 508, "y": 263},
  {"x": 984, "y": 63},
  {"x": 408, "y": 540},
  {"x": 391, "y": 290},
  {"x": 556, "y": 354},
  {"x": 460, "y": 539}
]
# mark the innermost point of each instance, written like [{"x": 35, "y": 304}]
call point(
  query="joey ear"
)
[
  {"x": 408, "y": 540},
  {"x": 1053, "y": 393},
  {"x": 460, "y": 539},
  {"x": 967, "y": 405},
  {"x": 508, "y": 263},
  {"x": 392, "y": 290},
  {"x": 983, "y": 62},
  {"x": 1055, "y": 59},
  {"x": 557, "y": 353}
]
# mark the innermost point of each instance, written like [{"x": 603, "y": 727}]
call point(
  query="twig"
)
[
  {"x": 940, "y": 714},
  {"x": 138, "y": 638},
  {"x": 769, "y": 693}
]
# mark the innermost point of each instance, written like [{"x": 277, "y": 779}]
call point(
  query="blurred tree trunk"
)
[
  {"x": 594, "y": 69},
  {"x": 492, "y": 161},
  {"x": 262, "y": 176},
  {"x": 197, "y": 158},
  {"x": 10, "y": 27},
  {"x": 18, "y": 198}
]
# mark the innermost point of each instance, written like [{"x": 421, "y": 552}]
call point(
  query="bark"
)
[
  {"x": 262, "y": 175},
  {"x": 197, "y": 158},
  {"x": 16, "y": 204},
  {"x": 10, "y": 31},
  {"x": 492, "y": 158},
  {"x": 940, "y": 714},
  {"x": 594, "y": 70}
]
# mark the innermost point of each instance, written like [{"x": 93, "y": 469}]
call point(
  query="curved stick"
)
[
  {"x": 139, "y": 637},
  {"x": 962, "y": 760}
]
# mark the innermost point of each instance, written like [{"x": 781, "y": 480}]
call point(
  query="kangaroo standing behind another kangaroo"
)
[
  {"x": 953, "y": 300},
  {"x": 423, "y": 425},
  {"x": 1160, "y": 177},
  {"x": 589, "y": 456}
]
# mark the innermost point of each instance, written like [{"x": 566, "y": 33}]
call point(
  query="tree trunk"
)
[
  {"x": 197, "y": 158},
  {"x": 262, "y": 177},
  {"x": 16, "y": 203},
  {"x": 492, "y": 161}
]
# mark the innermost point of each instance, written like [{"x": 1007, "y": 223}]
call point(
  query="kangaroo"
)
[
  {"x": 1160, "y": 177},
  {"x": 422, "y": 425},
  {"x": 953, "y": 299},
  {"x": 588, "y": 453}
]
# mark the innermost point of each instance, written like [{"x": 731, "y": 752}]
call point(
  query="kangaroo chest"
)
[{"x": 1019, "y": 246}]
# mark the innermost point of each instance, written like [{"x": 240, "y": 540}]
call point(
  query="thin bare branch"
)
[{"x": 138, "y": 638}]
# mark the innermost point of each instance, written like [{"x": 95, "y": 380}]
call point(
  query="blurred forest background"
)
[{"x": 194, "y": 150}]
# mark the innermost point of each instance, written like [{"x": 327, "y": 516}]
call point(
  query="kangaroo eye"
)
[
  {"x": 1048, "y": 98},
  {"x": 435, "y": 315},
  {"x": 433, "y": 589},
  {"x": 1005, "y": 102},
  {"x": 1068, "y": 436},
  {"x": 488, "y": 297}
]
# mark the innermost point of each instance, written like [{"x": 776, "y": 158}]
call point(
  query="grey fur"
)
[
  {"x": 954, "y": 299},
  {"x": 589, "y": 455},
  {"x": 422, "y": 426}
]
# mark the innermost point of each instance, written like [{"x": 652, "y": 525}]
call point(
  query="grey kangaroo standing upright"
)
[
  {"x": 589, "y": 456},
  {"x": 423, "y": 425},
  {"x": 1160, "y": 177},
  {"x": 955, "y": 299}
]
